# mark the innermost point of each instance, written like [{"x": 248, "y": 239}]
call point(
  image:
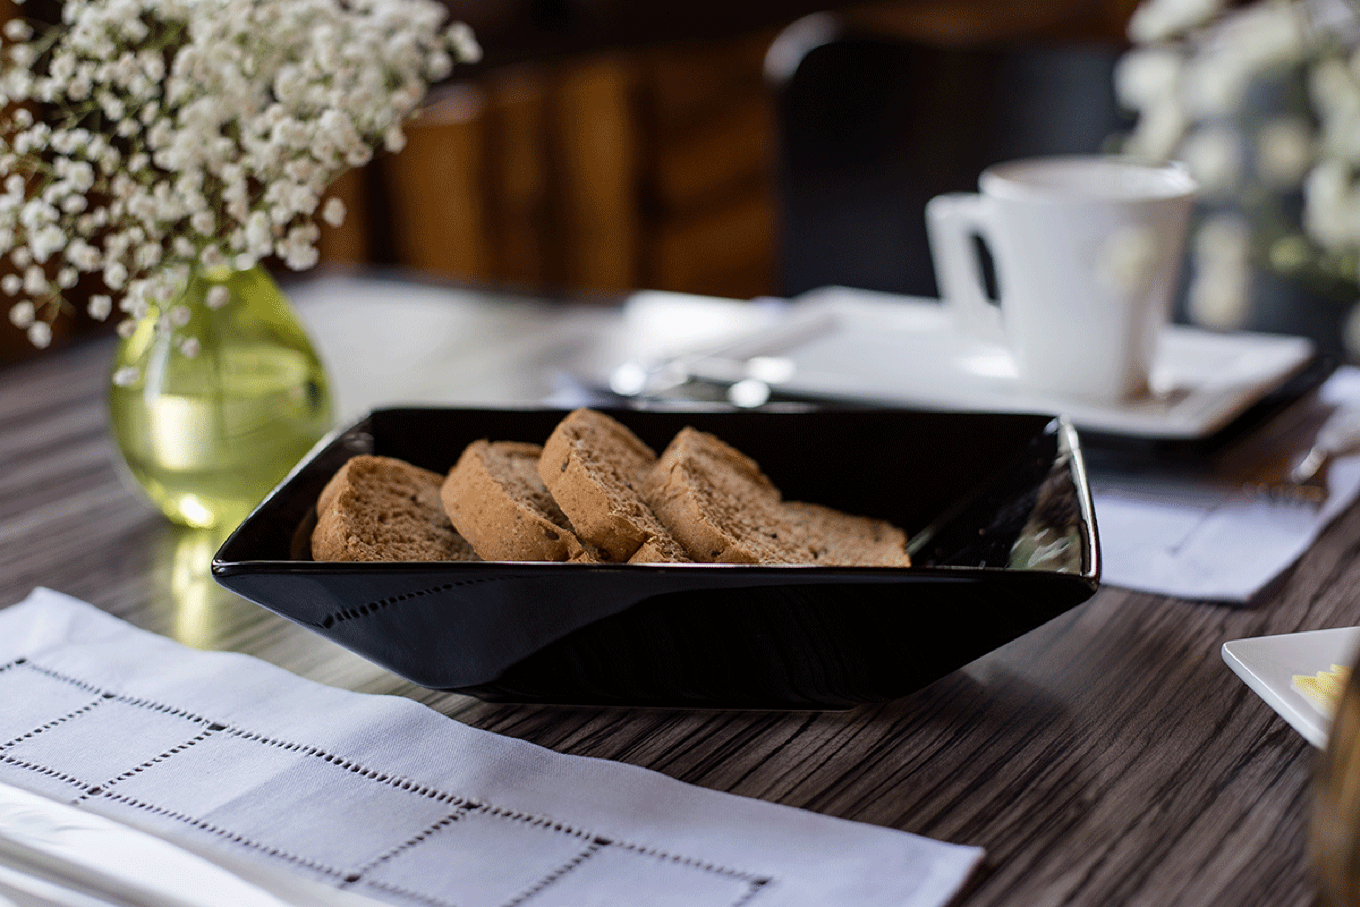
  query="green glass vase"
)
[{"x": 208, "y": 435}]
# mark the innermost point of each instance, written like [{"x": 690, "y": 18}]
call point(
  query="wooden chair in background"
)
[{"x": 607, "y": 172}]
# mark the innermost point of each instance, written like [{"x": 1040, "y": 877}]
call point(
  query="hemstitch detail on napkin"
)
[{"x": 34, "y": 749}]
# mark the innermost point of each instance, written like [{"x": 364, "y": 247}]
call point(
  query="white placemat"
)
[
  {"x": 385, "y": 797},
  {"x": 1202, "y": 535}
]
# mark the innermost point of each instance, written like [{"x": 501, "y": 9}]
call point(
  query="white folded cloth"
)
[
  {"x": 385, "y": 797},
  {"x": 1201, "y": 535}
]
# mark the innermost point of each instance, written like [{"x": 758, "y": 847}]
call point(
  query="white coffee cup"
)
[{"x": 1087, "y": 252}]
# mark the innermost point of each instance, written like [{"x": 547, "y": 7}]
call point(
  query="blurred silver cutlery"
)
[
  {"x": 748, "y": 360},
  {"x": 1306, "y": 481}
]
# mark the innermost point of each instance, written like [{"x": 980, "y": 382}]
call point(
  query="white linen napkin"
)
[
  {"x": 1201, "y": 535},
  {"x": 385, "y": 797}
]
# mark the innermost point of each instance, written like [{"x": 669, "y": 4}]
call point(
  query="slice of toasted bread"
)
[
  {"x": 595, "y": 468},
  {"x": 715, "y": 500},
  {"x": 384, "y": 509},
  {"x": 723, "y": 508},
  {"x": 495, "y": 498}
]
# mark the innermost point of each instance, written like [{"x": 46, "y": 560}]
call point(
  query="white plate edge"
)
[
  {"x": 1279, "y": 694},
  {"x": 1217, "y": 408}
]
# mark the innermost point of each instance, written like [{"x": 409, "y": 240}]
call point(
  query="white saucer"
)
[
  {"x": 1268, "y": 665},
  {"x": 898, "y": 350}
]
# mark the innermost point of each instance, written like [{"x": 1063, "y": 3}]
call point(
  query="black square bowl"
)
[{"x": 998, "y": 507}]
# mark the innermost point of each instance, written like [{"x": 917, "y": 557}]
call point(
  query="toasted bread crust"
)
[
  {"x": 384, "y": 509},
  {"x": 493, "y": 495},
  {"x": 595, "y": 468}
]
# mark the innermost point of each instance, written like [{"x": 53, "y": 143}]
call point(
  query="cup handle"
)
[{"x": 951, "y": 222}]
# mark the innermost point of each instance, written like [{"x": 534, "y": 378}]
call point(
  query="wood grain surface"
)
[{"x": 1109, "y": 757}]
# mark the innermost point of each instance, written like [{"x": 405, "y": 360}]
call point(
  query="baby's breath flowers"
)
[
  {"x": 143, "y": 138},
  {"x": 1262, "y": 101}
]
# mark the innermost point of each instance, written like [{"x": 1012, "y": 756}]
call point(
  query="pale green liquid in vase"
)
[{"x": 208, "y": 436}]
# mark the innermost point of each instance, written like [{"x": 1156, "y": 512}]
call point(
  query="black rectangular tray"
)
[{"x": 998, "y": 507}]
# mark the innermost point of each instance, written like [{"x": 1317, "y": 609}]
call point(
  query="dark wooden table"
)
[{"x": 1109, "y": 757}]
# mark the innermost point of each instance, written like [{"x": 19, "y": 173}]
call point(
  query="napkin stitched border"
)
[
  {"x": 137, "y": 727},
  {"x": 460, "y": 805}
]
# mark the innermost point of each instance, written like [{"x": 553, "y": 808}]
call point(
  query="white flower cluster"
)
[
  {"x": 146, "y": 137},
  {"x": 1190, "y": 79}
]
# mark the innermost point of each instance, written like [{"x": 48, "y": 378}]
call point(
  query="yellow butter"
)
[{"x": 1323, "y": 689}]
